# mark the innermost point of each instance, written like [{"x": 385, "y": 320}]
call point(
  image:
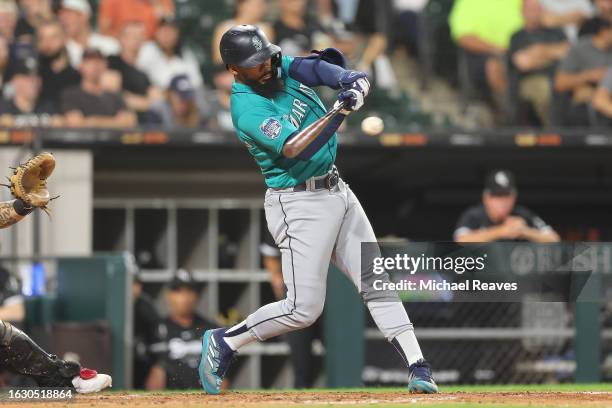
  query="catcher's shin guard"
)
[{"x": 20, "y": 354}]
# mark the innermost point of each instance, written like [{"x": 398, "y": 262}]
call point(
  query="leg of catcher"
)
[{"x": 20, "y": 354}]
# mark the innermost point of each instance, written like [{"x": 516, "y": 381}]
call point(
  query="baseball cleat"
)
[
  {"x": 215, "y": 360},
  {"x": 421, "y": 380},
  {"x": 90, "y": 381}
]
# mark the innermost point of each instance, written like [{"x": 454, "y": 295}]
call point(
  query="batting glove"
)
[
  {"x": 355, "y": 80},
  {"x": 352, "y": 100}
]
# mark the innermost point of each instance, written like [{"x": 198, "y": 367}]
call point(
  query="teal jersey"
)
[{"x": 264, "y": 125}]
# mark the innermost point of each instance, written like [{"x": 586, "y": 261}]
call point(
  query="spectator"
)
[
  {"x": 295, "y": 32},
  {"x": 12, "y": 308},
  {"x": 498, "y": 218},
  {"x": 15, "y": 49},
  {"x": 408, "y": 22},
  {"x": 90, "y": 105},
  {"x": 534, "y": 53},
  {"x": 181, "y": 335},
  {"x": 180, "y": 109},
  {"x": 138, "y": 93},
  {"x": 245, "y": 12},
  {"x": 483, "y": 30},
  {"x": 602, "y": 101},
  {"x": 146, "y": 330},
  {"x": 54, "y": 65},
  {"x": 567, "y": 14},
  {"x": 25, "y": 109},
  {"x": 371, "y": 20},
  {"x": 603, "y": 9},
  {"x": 164, "y": 58},
  {"x": 584, "y": 66},
  {"x": 113, "y": 14},
  {"x": 8, "y": 19},
  {"x": 4, "y": 59},
  {"x": 75, "y": 16},
  {"x": 34, "y": 12}
]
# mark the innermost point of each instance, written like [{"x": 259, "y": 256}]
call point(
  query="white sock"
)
[
  {"x": 408, "y": 345},
  {"x": 239, "y": 336}
]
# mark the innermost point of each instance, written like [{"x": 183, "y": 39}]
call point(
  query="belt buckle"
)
[{"x": 331, "y": 181}]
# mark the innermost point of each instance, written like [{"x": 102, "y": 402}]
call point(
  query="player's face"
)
[
  {"x": 182, "y": 301},
  {"x": 261, "y": 78},
  {"x": 498, "y": 207},
  {"x": 260, "y": 74}
]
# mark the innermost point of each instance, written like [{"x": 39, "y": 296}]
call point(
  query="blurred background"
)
[{"x": 159, "y": 232}]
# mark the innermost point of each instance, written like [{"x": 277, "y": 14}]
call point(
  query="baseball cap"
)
[
  {"x": 183, "y": 279},
  {"x": 500, "y": 183},
  {"x": 183, "y": 87},
  {"x": 26, "y": 66},
  {"x": 81, "y": 6},
  {"x": 93, "y": 53}
]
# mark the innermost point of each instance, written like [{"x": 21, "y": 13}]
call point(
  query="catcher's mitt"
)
[{"x": 29, "y": 181}]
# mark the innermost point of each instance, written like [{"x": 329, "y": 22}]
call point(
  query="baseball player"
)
[
  {"x": 18, "y": 352},
  {"x": 312, "y": 214}
]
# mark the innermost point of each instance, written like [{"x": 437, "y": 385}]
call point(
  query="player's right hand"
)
[{"x": 354, "y": 98}]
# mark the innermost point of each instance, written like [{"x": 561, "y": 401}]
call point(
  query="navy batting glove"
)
[
  {"x": 352, "y": 100},
  {"x": 355, "y": 80}
]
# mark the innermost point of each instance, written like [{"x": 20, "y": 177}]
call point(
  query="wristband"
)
[{"x": 20, "y": 208}]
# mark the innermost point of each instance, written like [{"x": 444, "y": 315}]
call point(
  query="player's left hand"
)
[{"x": 355, "y": 80}]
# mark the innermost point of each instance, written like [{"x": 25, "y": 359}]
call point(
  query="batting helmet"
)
[{"x": 246, "y": 46}]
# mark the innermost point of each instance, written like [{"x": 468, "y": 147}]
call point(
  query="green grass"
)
[
  {"x": 529, "y": 388},
  {"x": 607, "y": 387},
  {"x": 604, "y": 387}
]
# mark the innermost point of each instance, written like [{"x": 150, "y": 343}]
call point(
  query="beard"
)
[
  {"x": 49, "y": 58},
  {"x": 268, "y": 89}
]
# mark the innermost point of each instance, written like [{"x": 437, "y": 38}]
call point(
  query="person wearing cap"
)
[
  {"x": 138, "y": 92},
  {"x": 180, "y": 334},
  {"x": 25, "y": 108},
  {"x": 498, "y": 218},
  {"x": 113, "y": 14},
  {"x": 90, "y": 104},
  {"x": 33, "y": 13},
  {"x": 75, "y": 15},
  {"x": 164, "y": 57},
  {"x": 53, "y": 63},
  {"x": 180, "y": 109}
]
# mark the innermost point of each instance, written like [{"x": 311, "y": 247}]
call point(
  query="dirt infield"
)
[{"x": 330, "y": 399}]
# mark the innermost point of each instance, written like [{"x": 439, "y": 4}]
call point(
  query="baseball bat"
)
[{"x": 299, "y": 142}]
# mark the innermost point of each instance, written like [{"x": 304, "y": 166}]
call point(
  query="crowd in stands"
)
[
  {"x": 127, "y": 63},
  {"x": 544, "y": 62}
]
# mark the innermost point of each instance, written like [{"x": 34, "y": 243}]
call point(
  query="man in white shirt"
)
[
  {"x": 75, "y": 17},
  {"x": 163, "y": 58}
]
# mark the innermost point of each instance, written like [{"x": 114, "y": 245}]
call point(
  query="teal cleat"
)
[
  {"x": 421, "y": 380},
  {"x": 215, "y": 360}
]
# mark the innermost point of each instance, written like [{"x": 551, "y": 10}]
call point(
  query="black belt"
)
[{"x": 328, "y": 182}]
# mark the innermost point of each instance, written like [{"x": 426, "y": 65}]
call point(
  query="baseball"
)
[{"x": 372, "y": 125}]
